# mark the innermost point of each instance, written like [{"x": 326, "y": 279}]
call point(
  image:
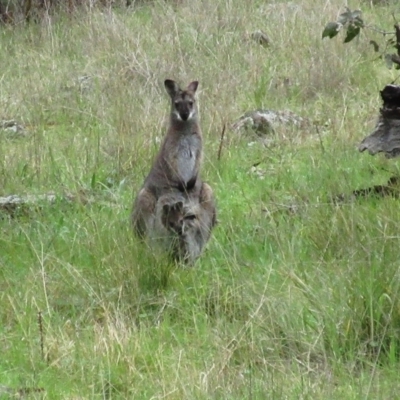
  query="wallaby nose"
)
[{"x": 184, "y": 115}]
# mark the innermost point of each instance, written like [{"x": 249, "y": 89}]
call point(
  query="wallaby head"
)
[
  {"x": 176, "y": 218},
  {"x": 183, "y": 105},
  {"x": 172, "y": 217}
]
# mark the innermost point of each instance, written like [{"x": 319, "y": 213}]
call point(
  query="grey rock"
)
[
  {"x": 12, "y": 129},
  {"x": 265, "y": 122}
]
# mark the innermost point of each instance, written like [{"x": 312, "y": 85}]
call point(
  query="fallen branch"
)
[{"x": 15, "y": 203}]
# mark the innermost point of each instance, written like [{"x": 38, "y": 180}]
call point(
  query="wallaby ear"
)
[
  {"x": 192, "y": 87},
  {"x": 171, "y": 87}
]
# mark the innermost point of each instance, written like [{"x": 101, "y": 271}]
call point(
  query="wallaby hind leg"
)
[
  {"x": 199, "y": 218},
  {"x": 208, "y": 211},
  {"x": 191, "y": 241},
  {"x": 178, "y": 227},
  {"x": 143, "y": 212}
]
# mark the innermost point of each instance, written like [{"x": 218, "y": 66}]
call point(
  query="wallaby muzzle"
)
[{"x": 184, "y": 115}]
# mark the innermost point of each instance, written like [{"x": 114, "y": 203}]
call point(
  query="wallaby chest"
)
[
  {"x": 187, "y": 153},
  {"x": 178, "y": 162},
  {"x": 182, "y": 154}
]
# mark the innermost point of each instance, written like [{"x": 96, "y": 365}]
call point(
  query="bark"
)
[{"x": 385, "y": 137}]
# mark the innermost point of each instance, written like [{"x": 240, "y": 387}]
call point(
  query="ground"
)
[{"x": 296, "y": 296}]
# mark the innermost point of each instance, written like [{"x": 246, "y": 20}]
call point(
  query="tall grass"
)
[{"x": 295, "y": 297}]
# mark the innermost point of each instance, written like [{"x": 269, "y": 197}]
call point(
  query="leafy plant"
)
[{"x": 352, "y": 22}]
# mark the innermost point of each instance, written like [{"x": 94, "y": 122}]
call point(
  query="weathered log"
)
[
  {"x": 392, "y": 188},
  {"x": 16, "y": 205},
  {"x": 385, "y": 137}
]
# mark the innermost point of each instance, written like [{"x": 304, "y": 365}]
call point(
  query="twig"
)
[
  {"x": 383, "y": 32},
  {"x": 397, "y": 45},
  {"x": 394, "y": 81},
  {"x": 320, "y": 139},
  {"x": 40, "y": 322},
  {"x": 394, "y": 18},
  {"x": 221, "y": 142}
]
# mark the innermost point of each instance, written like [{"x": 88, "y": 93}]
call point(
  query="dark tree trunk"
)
[{"x": 386, "y": 136}]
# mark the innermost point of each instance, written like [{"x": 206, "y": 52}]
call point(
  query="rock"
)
[
  {"x": 265, "y": 122},
  {"x": 85, "y": 83},
  {"x": 12, "y": 128},
  {"x": 258, "y": 171},
  {"x": 261, "y": 38}
]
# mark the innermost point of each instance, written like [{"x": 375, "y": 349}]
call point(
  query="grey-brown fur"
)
[
  {"x": 177, "y": 165},
  {"x": 182, "y": 224},
  {"x": 178, "y": 162}
]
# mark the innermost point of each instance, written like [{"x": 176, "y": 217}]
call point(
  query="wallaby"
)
[
  {"x": 182, "y": 225},
  {"x": 175, "y": 223},
  {"x": 177, "y": 165}
]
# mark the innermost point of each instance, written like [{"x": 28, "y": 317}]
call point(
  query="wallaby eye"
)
[
  {"x": 176, "y": 103},
  {"x": 190, "y": 103},
  {"x": 190, "y": 217}
]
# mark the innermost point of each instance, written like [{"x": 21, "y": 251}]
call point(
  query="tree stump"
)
[{"x": 385, "y": 138}]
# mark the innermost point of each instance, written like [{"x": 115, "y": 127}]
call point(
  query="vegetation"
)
[
  {"x": 296, "y": 296},
  {"x": 352, "y": 22}
]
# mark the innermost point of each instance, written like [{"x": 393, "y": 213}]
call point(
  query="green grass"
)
[{"x": 295, "y": 296}]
